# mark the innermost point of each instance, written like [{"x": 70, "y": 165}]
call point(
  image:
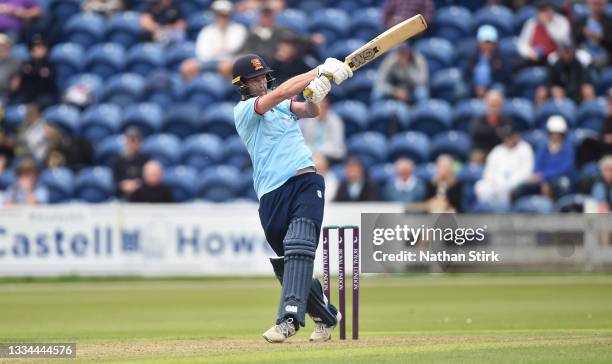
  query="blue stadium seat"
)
[
  {"x": 411, "y": 144},
  {"x": 366, "y": 23},
  {"x": 455, "y": 143},
  {"x": 465, "y": 111},
  {"x": 198, "y": 21},
  {"x": 334, "y": 24},
  {"x": 590, "y": 171},
  {"x": 311, "y": 6},
  {"x": 508, "y": 50},
  {"x": 204, "y": 90},
  {"x": 165, "y": 148},
  {"x": 91, "y": 81},
  {"x": 201, "y": 151},
  {"x": 571, "y": 203},
  {"x": 370, "y": 147},
  {"x": 85, "y": 29},
  {"x": 144, "y": 58},
  {"x": 94, "y": 185},
  {"x": 183, "y": 181},
  {"x": 105, "y": 60},
  {"x": 470, "y": 174},
  {"x": 162, "y": 88},
  {"x": 604, "y": 82},
  {"x": 246, "y": 18},
  {"x": 220, "y": 184},
  {"x": 248, "y": 189},
  {"x": 592, "y": 114},
  {"x": 580, "y": 11},
  {"x": 431, "y": 117},
  {"x": 448, "y": 85},
  {"x": 527, "y": 80},
  {"x": 344, "y": 47},
  {"x": 14, "y": 117},
  {"x": 481, "y": 207},
  {"x": 353, "y": 114},
  {"x": 59, "y": 183},
  {"x": 64, "y": 9},
  {"x": 577, "y": 136},
  {"x": 425, "y": 171},
  {"x": 146, "y": 116},
  {"x": 521, "y": 16},
  {"x": 20, "y": 52},
  {"x": 178, "y": 53},
  {"x": 534, "y": 205},
  {"x": 293, "y": 19},
  {"x": 64, "y": 116},
  {"x": 100, "y": 121},
  {"x": 218, "y": 119},
  {"x": 193, "y": 6},
  {"x": 453, "y": 23},
  {"x": 7, "y": 178},
  {"x": 359, "y": 87},
  {"x": 521, "y": 112},
  {"x": 68, "y": 59},
  {"x": 235, "y": 153},
  {"x": 464, "y": 50},
  {"x": 535, "y": 138},
  {"x": 124, "y": 89},
  {"x": 565, "y": 108},
  {"x": 500, "y": 17},
  {"x": 382, "y": 173},
  {"x": 109, "y": 149},
  {"x": 438, "y": 52},
  {"x": 181, "y": 120},
  {"x": 388, "y": 117},
  {"x": 124, "y": 28}
]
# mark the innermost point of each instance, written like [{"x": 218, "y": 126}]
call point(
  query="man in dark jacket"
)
[
  {"x": 356, "y": 186},
  {"x": 594, "y": 32},
  {"x": 152, "y": 189}
]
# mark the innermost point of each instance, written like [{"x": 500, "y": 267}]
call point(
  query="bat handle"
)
[{"x": 308, "y": 92}]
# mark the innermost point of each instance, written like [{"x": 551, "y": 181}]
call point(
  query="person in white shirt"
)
[
  {"x": 217, "y": 43},
  {"x": 507, "y": 166},
  {"x": 325, "y": 133}
]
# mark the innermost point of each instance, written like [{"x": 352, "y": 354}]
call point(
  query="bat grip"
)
[{"x": 308, "y": 92}]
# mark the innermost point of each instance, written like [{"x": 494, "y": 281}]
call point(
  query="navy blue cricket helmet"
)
[{"x": 247, "y": 67}]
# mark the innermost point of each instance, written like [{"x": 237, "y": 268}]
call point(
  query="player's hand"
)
[
  {"x": 337, "y": 70},
  {"x": 319, "y": 88}
]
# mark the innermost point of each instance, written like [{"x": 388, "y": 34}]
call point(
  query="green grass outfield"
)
[{"x": 410, "y": 319}]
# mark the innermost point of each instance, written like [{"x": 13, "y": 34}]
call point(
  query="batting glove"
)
[
  {"x": 319, "y": 88},
  {"x": 335, "y": 69}
]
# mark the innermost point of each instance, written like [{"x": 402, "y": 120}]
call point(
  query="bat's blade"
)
[{"x": 385, "y": 41}]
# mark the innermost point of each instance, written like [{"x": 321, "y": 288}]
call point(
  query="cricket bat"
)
[{"x": 382, "y": 43}]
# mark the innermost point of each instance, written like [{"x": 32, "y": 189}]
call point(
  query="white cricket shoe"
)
[
  {"x": 323, "y": 332},
  {"x": 281, "y": 332}
]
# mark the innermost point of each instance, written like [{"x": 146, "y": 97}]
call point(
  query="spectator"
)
[
  {"x": 444, "y": 192},
  {"x": 164, "y": 23},
  {"x": 103, "y": 7},
  {"x": 403, "y": 75},
  {"x": 264, "y": 37},
  {"x": 7, "y": 149},
  {"x": 217, "y": 43},
  {"x": 485, "y": 130},
  {"x": 405, "y": 187},
  {"x": 396, "y": 11},
  {"x": 27, "y": 190},
  {"x": 36, "y": 82},
  {"x": 486, "y": 67},
  {"x": 568, "y": 77},
  {"x": 602, "y": 190},
  {"x": 127, "y": 168},
  {"x": 288, "y": 60},
  {"x": 594, "y": 149},
  {"x": 325, "y": 133},
  {"x": 594, "y": 32},
  {"x": 356, "y": 186},
  {"x": 153, "y": 190},
  {"x": 32, "y": 138},
  {"x": 253, "y": 5},
  {"x": 331, "y": 182},
  {"x": 15, "y": 15},
  {"x": 542, "y": 34},
  {"x": 554, "y": 163},
  {"x": 508, "y": 165},
  {"x": 73, "y": 152},
  {"x": 9, "y": 69}
]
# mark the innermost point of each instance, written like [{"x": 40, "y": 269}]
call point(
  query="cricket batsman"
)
[{"x": 290, "y": 192}]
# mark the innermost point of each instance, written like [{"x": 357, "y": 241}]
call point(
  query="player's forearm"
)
[{"x": 295, "y": 85}]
